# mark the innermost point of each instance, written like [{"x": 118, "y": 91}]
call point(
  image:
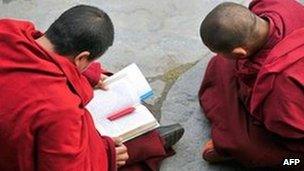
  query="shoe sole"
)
[{"x": 173, "y": 136}]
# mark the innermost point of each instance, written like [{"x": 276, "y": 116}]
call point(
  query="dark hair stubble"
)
[{"x": 82, "y": 28}]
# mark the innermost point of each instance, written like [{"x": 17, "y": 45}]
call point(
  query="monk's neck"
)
[
  {"x": 261, "y": 36},
  {"x": 45, "y": 43}
]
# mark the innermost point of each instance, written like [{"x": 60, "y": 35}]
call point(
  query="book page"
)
[
  {"x": 140, "y": 117},
  {"x": 119, "y": 95},
  {"x": 137, "y": 80},
  {"x": 134, "y": 124},
  {"x": 106, "y": 127}
]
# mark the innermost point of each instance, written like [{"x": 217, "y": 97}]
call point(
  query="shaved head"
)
[{"x": 227, "y": 26}]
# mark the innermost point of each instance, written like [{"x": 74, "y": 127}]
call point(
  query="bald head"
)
[{"x": 227, "y": 26}]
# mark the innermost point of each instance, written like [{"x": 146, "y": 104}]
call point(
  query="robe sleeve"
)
[
  {"x": 67, "y": 140},
  {"x": 283, "y": 109},
  {"x": 93, "y": 72}
]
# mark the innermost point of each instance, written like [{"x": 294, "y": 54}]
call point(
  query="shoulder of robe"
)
[
  {"x": 15, "y": 25},
  {"x": 293, "y": 73},
  {"x": 278, "y": 6},
  {"x": 221, "y": 62}
]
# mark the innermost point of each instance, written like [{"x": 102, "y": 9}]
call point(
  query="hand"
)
[
  {"x": 101, "y": 84},
  {"x": 121, "y": 152}
]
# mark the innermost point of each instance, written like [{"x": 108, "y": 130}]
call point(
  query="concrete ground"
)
[{"x": 161, "y": 36}]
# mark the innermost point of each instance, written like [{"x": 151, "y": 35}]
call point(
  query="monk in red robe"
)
[
  {"x": 252, "y": 91},
  {"x": 44, "y": 124}
]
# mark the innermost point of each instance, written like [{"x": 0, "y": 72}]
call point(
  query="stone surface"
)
[
  {"x": 158, "y": 35},
  {"x": 161, "y": 36},
  {"x": 181, "y": 106}
]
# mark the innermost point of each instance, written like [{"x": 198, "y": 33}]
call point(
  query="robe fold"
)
[
  {"x": 255, "y": 106},
  {"x": 43, "y": 121}
]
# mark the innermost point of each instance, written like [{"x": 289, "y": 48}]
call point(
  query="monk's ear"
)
[
  {"x": 240, "y": 52},
  {"x": 82, "y": 60}
]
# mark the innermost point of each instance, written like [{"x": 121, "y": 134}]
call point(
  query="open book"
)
[{"x": 127, "y": 88}]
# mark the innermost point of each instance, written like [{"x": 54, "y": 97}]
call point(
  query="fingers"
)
[
  {"x": 122, "y": 157},
  {"x": 121, "y": 163},
  {"x": 117, "y": 141},
  {"x": 121, "y": 149},
  {"x": 103, "y": 77},
  {"x": 101, "y": 85}
]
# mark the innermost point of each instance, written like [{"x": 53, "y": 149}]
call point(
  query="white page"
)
[
  {"x": 137, "y": 79},
  {"x": 120, "y": 95},
  {"x": 141, "y": 116}
]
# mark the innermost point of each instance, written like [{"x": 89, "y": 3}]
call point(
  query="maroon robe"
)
[
  {"x": 43, "y": 121},
  {"x": 255, "y": 106}
]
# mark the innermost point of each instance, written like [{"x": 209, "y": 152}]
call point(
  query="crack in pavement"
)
[{"x": 169, "y": 78}]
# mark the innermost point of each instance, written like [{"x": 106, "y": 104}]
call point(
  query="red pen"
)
[{"x": 121, "y": 113}]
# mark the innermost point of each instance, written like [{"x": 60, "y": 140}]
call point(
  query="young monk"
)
[
  {"x": 252, "y": 91},
  {"x": 44, "y": 124}
]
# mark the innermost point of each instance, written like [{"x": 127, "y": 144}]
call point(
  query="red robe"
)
[
  {"x": 43, "y": 121},
  {"x": 255, "y": 106}
]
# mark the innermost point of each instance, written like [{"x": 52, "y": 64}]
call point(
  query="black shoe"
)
[{"x": 171, "y": 134}]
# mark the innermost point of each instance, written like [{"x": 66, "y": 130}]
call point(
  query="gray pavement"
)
[{"x": 161, "y": 36}]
